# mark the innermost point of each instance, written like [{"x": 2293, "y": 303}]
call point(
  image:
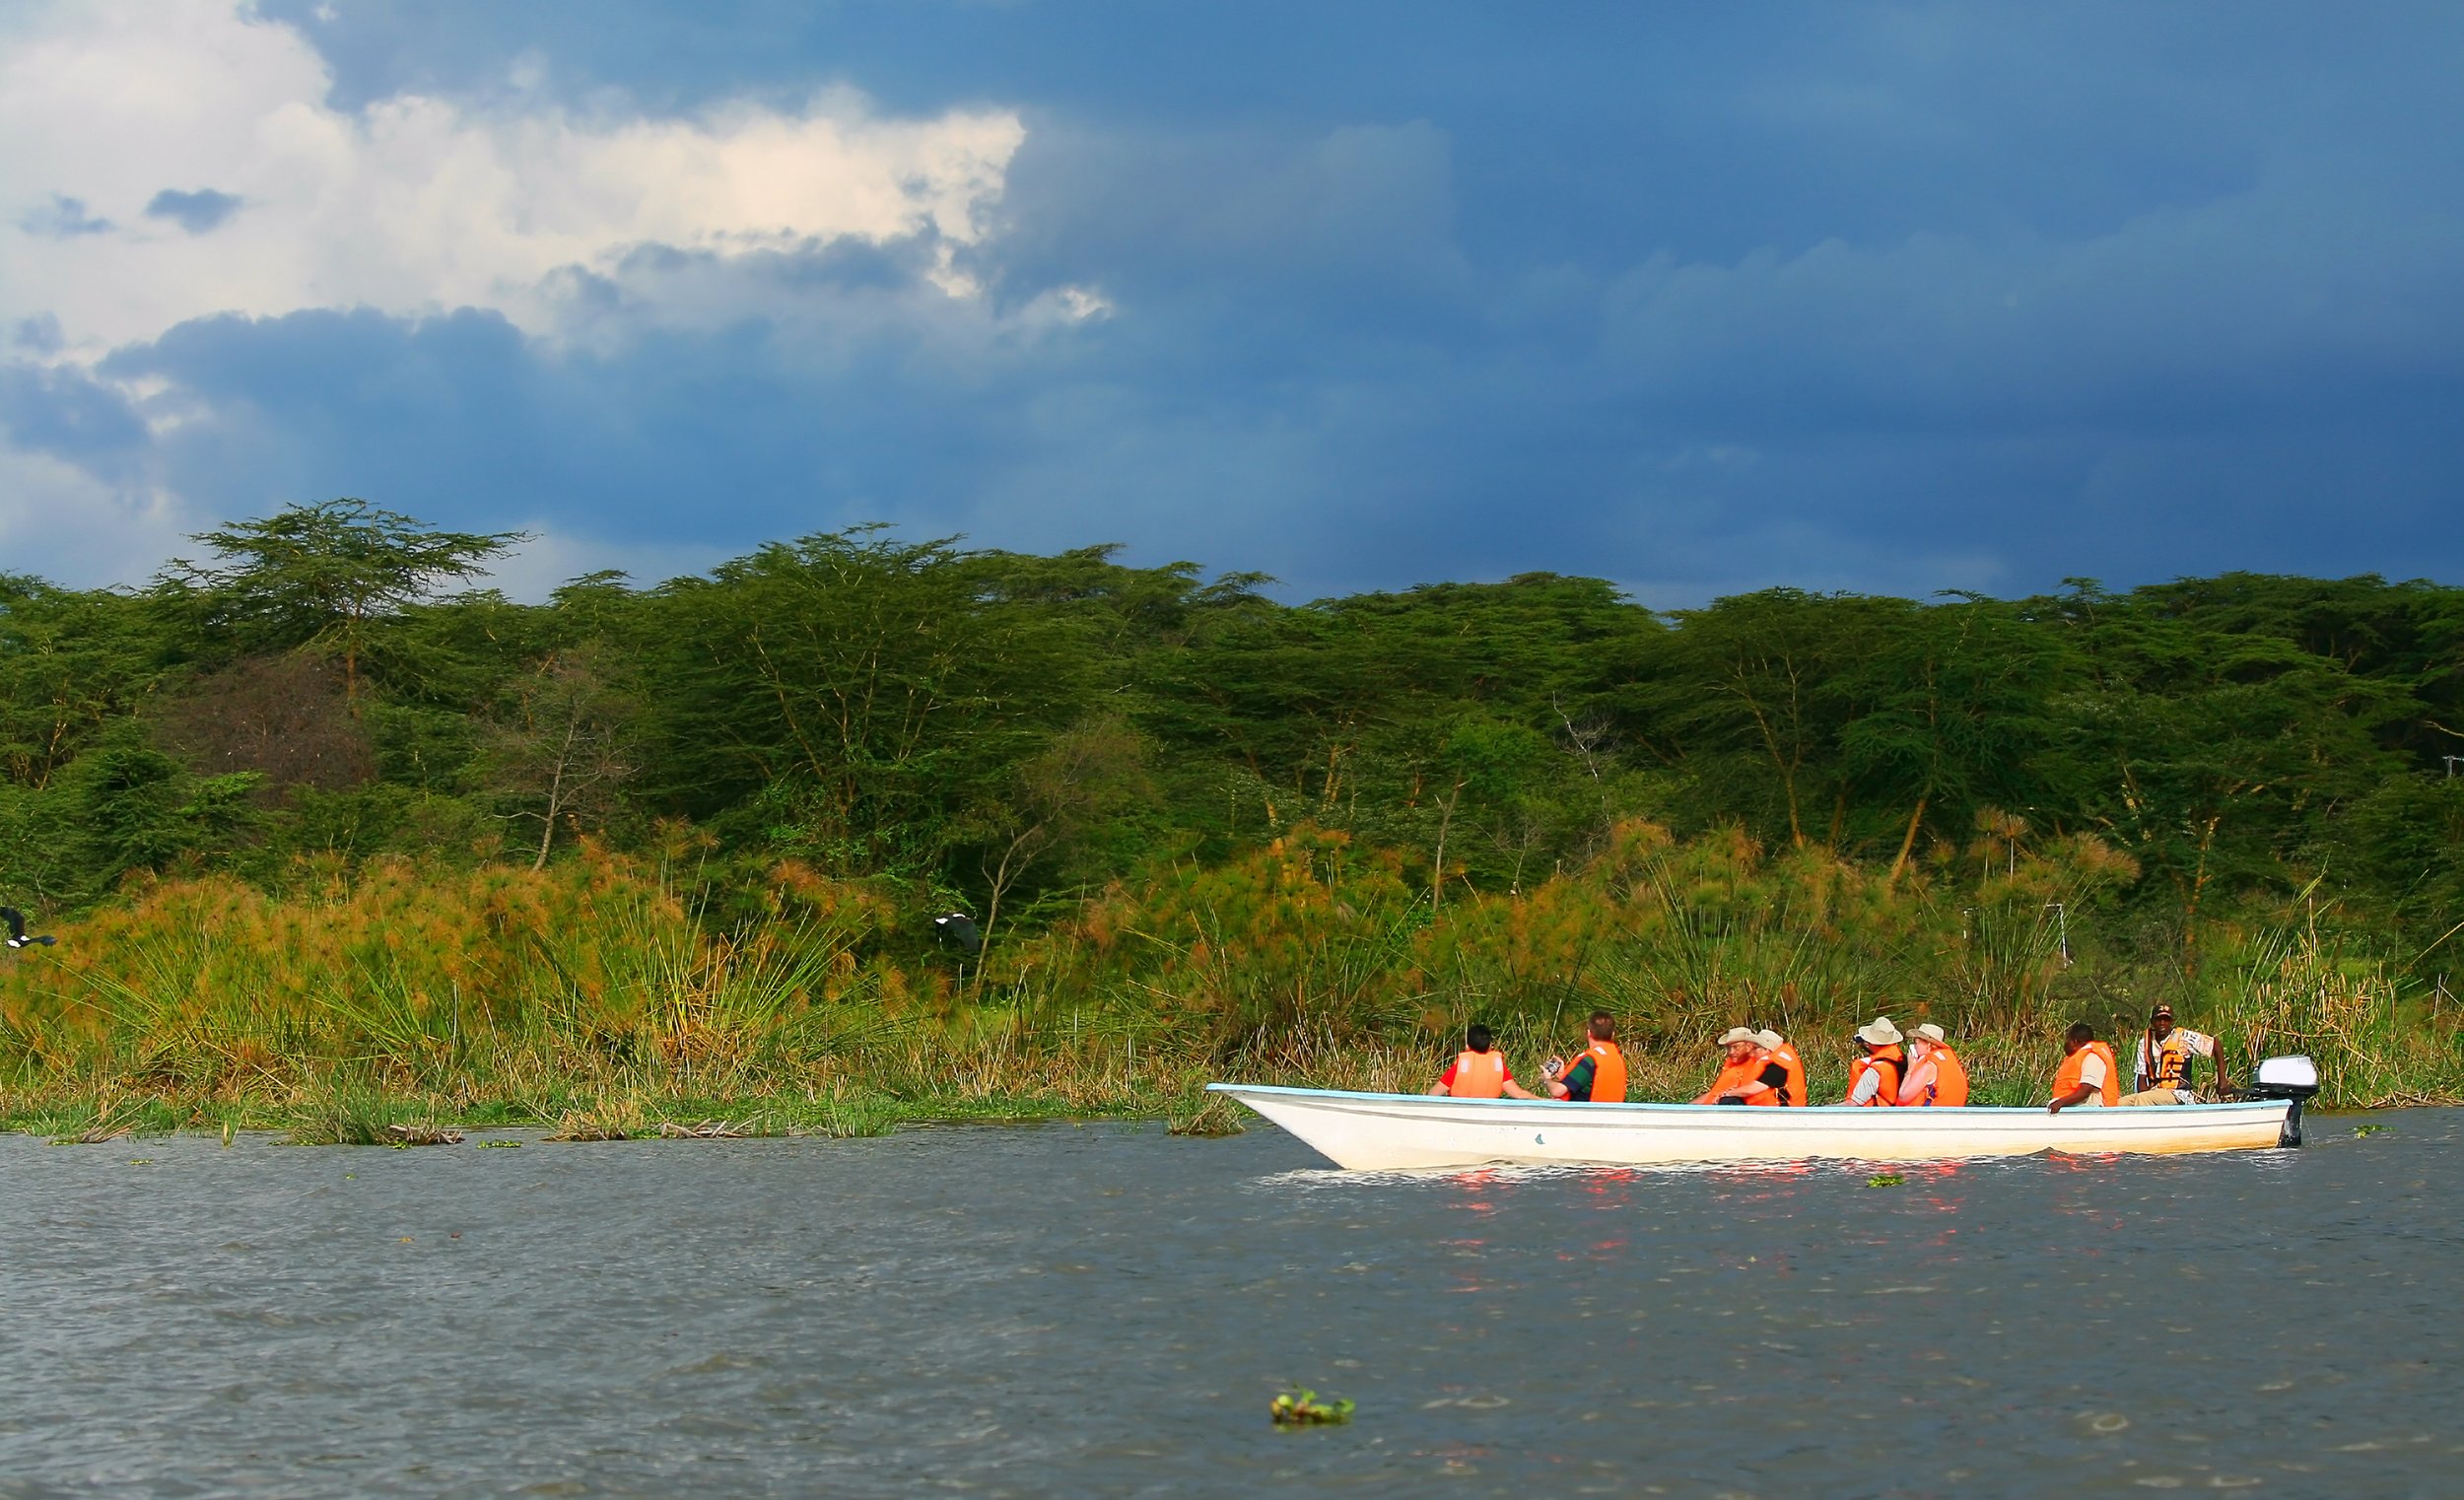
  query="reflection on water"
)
[{"x": 1106, "y": 1311}]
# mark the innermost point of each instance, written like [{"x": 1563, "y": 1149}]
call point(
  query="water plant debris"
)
[
  {"x": 1300, "y": 1407},
  {"x": 407, "y": 1135},
  {"x": 2367, "y": 1130},
  {"x": 1884, "y": 1180}
]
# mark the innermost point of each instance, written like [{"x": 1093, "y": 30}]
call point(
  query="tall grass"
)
[{"x": 599, "y": 997}]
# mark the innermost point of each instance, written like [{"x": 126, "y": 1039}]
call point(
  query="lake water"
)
[{"x": 1105, "y": 1310}]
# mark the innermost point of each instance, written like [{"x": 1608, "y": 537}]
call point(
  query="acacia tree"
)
[{"x": 326, "y": 575}]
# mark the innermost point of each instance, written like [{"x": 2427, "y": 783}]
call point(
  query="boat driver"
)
[{"x": 2160, "y": 1071}]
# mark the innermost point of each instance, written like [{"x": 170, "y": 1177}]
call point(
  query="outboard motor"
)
[{"x": 2295, "y": 1078}]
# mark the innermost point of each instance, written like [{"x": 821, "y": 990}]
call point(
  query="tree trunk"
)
[
  {"x": 1906, "y": 843},
  {"x": 1437, "y": 877}
]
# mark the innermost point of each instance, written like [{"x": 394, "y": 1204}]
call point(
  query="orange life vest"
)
[
  {"x": 1479, "y": 1075},
  {"x": 1888, "y": 1061},
  {"x": 2065, "y": 1078},
  {"x": 1608, "y": 1072},
  {"x": 1920, "y": 1083},
  {"x": 1950, "y": 1078},
  {"x": 1730, "y": 1075},
  {"x": 1786, "y": 1056}
]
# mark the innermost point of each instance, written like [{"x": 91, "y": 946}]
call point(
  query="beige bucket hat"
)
[
  {"x": 1934, "y": 1034},
  {"x": 1880, "y": 1033},
  {"x": 1735, "y": 1034},
  {"x": 1768, "y": 1040}
]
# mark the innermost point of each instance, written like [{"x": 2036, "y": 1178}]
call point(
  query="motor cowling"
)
[{"x": 2295, "y": 1078}]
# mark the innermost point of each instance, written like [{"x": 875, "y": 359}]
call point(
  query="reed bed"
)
[{"x": 600, "y": 1000}]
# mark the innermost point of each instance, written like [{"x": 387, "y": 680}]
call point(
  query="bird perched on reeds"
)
[
  {"x": 959, "y": 931},
  {"x": 16, "y": 929}
]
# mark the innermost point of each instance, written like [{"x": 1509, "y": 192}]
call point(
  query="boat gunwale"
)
[{"x": 1793, "y": 1112}]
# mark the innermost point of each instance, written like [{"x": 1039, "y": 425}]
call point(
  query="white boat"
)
[{"x": 1390, "y": 1132}]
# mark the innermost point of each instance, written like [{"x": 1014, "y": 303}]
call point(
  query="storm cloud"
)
[{"x": 1901, "y": 299}]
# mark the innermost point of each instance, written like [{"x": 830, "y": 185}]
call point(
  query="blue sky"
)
[{"x": 1894, "y": 298}]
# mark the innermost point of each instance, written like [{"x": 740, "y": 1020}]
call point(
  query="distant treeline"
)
[{"x": 1011, "y": 733}]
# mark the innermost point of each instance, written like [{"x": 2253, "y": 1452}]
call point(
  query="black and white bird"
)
[
  {"x": 17, "y": 931},
  {"x": 959, "y": 931}
]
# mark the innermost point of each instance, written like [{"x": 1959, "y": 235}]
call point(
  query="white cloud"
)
[{"x": 415, "y": 204}]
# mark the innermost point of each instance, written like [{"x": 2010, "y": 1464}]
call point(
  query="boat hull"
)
[{"x": 1394, "y": 1131}]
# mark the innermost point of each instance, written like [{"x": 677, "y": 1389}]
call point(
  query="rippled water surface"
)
[{"x": 1108, "y": 1309}]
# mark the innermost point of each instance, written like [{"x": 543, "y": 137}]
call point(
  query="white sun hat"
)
[{"x": 1880, "y": 1033}]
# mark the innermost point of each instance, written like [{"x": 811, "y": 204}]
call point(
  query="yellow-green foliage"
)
[{"x": 591, "y": 996}]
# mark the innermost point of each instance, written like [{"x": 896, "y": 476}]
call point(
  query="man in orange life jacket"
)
[
  {"x": 1478, "y": 1072},
  {"x": 2161, "y": 1070},
  {"x": 2087, "y": 1076},
  {"x": 1598, "y": 1075},
  {"x": 1874, "y": 1078},
  {"x": 1777, "y": 1048},
  {"x": 1747, "y": 1073},
  {"x": 1936, "y": 1075}
]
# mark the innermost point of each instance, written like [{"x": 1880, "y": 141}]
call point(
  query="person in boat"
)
[
  {"x": 1597, "y": 1074},
  {"x": 2088, "y": 1074},
  {"x": 1480, "y": 1070},
  {"x": 1936, "y": 1075},
  {"x": 1779, "y": 1050},
  {"x": 1873, "y": 1077},
  {"x": 2160, "y": 1072},
  {"x": 1747, "y": 1073}
]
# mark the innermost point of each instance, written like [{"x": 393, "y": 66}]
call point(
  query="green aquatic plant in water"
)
[
  {"x": 1300, "y": 1407},
  {"x": 1884, "y": 1180},
  {"x": 2367, "y": 1130}
]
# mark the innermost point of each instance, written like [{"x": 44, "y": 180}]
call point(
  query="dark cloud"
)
[
  {"x": 63, "y": 218},
  {"x": 1903, "y": 298},
  {"x": 68, "y": 414},
  {"x": 200, "y": 212}
]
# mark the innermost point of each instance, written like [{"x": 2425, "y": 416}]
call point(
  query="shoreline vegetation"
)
[
  {"x": 334, "y": 842},
  {"x": 585, "y": 999}
]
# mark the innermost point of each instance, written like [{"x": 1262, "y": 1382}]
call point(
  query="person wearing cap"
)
[
  {"x": 1936, "y": 1075},
  {"x": 1874, "y": 1078},
  {"x": 2088, "y": 1074},
  {"x": 2160, "y": 1072},
  {"x": 1480, "y": 1070},
  {"x": 1747, "y": 1075},
  {"x": 1598, "y": 1075},
  {"x": 1777, "y": 1048}
]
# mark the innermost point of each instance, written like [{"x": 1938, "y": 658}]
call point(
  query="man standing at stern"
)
[{"x": 2161, "y": 1073}]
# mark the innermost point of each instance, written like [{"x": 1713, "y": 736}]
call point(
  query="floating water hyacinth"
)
[
  {"x": 1885, "y": 1180},
  {"x": 2367, "y": 1130},
  {"x": 1300, "y": 1407},
  {"x": 498, "y": 1146}
]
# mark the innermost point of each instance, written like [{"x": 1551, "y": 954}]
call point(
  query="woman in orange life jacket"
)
[
  {"x": 1936, "y": 1075},
  {"x": 1874, "y": 1078},
  {"x": 2088, "y": 1074},
  {"x": 1598, "y": 1075},
  {"x": 1777, "y": 1048},
  {"x": 1750, "y": 1075},
  {"x": 1478, "y": 1072}
]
